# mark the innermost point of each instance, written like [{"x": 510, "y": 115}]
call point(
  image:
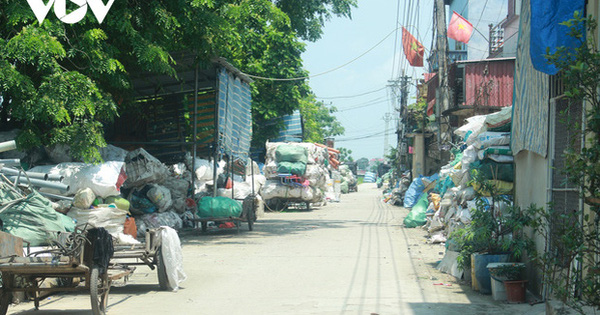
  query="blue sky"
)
[{"x": 344, "y": 40}]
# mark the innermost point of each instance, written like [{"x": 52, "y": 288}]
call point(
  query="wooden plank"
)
[{"x": 10, "y": 245}]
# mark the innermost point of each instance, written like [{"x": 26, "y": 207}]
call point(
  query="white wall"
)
[{"x": 531, "y": 179}]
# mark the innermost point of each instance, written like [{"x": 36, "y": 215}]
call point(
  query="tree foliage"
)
[
  {"x": 576, "y": 235},
  {"x": 362, "y": 164},
  {"x": 345, "y": 155},
  {"x": 60, "y": 82},
  {"x": 319, "y": 122},
  {"x": 580, "y": 74}
]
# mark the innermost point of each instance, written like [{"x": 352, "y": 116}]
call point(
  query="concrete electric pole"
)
[{"x": 442, "y": 93}]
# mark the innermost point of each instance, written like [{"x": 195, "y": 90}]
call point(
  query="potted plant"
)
[
  {"x": 507, "y": 281},
  {"x": 495, "y": 234}
]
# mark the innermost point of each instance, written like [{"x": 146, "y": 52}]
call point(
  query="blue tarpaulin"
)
[
  {"x": 235, "y": 118},
  {"x": 546, "y": 31},
  {"x": 292, "y": 130}
]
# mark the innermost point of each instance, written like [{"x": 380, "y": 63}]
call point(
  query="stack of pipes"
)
[
  {"x": 21, "y": 177},
  {"x": 333, "y": 155}
]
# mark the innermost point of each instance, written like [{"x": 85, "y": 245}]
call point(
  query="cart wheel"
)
[
  {"x": 5, "y": 299},
  {"x": 251, "y": 217},
  {"x": 204, "y": 225},
  {"x": 308, "y": 206},
  {"x": 99, "y": 288},
  {"x": 5, "y": 295},
  {"x": 161, "y": 270}
]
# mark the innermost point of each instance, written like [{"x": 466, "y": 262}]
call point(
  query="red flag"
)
[
  {"x": 459, "y": 28},
  {"x": 412, "y": 49}
]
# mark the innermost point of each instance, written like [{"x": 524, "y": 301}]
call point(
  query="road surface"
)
[{"x": 351, "y": 257}]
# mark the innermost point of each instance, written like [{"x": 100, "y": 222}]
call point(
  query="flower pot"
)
[
  {"x": 515, "y": 291},
  {"x": 482, "y": 274},
  {"x": 500, "y": 272},
  {"x": 498, "y": 290}
]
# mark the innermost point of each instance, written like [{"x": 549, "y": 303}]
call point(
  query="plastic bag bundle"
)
[
  {"x": 219, "y": 207},
  {"x": 33, "y": 219},
  {"x": 160, "y": 196},
  {"x": 143, "y": 168},
  {"x": 274, "y": 189},
  {"x": 84, "y": 198},
  {"x": 104, "y": 179},
  {"x": 417, "y": 215},
  {"x": 156, "y": 220},
  {"x": 106, "y": 216},
  {"x": 173, "y": 258}
]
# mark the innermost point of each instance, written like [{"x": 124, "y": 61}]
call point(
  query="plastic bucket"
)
[{"x": 482, "y": 274}]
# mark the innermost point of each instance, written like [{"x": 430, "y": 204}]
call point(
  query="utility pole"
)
[
  {"x": 442, "y": 94},
  {"x": 399, "y": 89},
  {"x": 387, "y": 118}
]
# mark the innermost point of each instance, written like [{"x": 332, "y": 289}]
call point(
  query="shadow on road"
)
[{"x": 262, "y": 228}]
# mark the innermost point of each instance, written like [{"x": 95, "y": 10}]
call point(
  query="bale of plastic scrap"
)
[
  {"x": 417, "y": 217},
  {"x": 104, "y": 179},
  {"x": 143, "y": 168},
  {"x": 32, "y": 217}
]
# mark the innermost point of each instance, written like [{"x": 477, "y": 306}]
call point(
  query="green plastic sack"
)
[
  {"x": 296, "y": 168},
  {"x": 416, "y": 216},
  {"x": 121, "y": 203},
  {"x": 501, "y": 150},
  {"x": 344, "y": 188},
  {"x": 219, "y": 207},
  {"x": 492, "y": 170},
  {"x": 291, "y": 153},
  {"x": 34, "y": 220}
]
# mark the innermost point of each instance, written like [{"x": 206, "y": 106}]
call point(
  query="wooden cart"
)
[
  {"x": 282, "y": 204},
  {"x": 147, "y": 253},
  {"x": 248, "y": 215},
  {"x": 69, "y": 260}
]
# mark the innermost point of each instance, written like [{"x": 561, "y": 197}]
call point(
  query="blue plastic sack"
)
[{"x": 414, "y": 191}]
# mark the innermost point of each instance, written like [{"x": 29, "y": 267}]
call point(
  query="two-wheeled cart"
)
[
  {"x": 248, "y": 215},
  {"x": 285, "y": 203},
  {"x": 73, "y": 257},
  {"x": 147, "y": 253}
]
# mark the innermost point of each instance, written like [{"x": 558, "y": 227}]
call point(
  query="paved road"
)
[{"x": 352, "y": 257}]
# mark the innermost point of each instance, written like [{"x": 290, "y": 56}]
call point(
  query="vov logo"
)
[{"x": 41, "y": 9}]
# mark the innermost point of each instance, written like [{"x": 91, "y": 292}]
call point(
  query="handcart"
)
[
  {"x": 147, "y": 253},
  {"x": 248, "y": 215},
  {"x": 70, "y": 258},
  {"x": 281, "y": 204}
]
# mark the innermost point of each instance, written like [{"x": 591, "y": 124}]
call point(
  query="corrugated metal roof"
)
[{"x": 489, "y": 84}]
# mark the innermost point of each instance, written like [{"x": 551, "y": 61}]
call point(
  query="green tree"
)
[
  {"x": 60, "y": 81},
  {"x": 345, "y": 155},
  {"x": 362, "y": 164},
  {"x": 308, "y": 16},
  {"x": 580, "y": 75},
  {"x": 417, "y": 114},
  {"x": 319, "y": 122}
]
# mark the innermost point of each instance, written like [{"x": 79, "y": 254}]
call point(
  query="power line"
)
[
  {"x": 464, "y": 7},
  {"x": 326, "y": 72},
  {"x": 351, "y": 96},
  {"x": 363, "y": 105},
  {"x": 396, "y": 37},
  {"x": 482, "y": 11},
  {"x": 379, "y": 134}
]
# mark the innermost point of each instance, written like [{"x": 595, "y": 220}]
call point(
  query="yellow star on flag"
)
[
  {"x": 413, "y": 46},
  {"x": 461, "y": 26}
]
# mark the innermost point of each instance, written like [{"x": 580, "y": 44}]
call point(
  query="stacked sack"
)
[
  {"x": 348, "y": 179},
  {"x": 157, "y": 193},
  {"x": 486, "y": 154},
  {"x": 305, "y": 161}
]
